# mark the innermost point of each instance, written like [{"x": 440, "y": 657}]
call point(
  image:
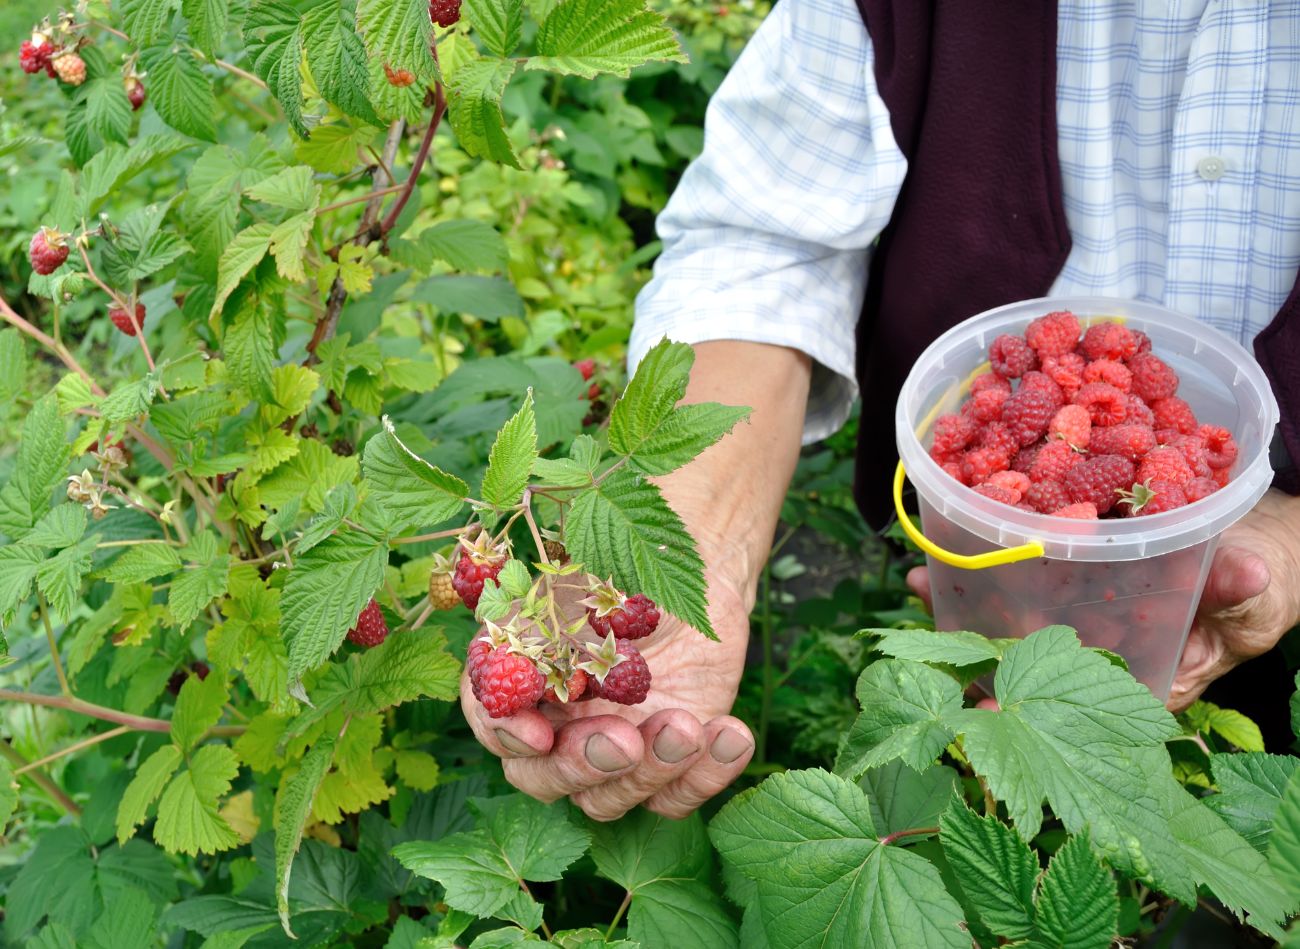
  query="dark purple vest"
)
[{"x": 971, "y": 91}]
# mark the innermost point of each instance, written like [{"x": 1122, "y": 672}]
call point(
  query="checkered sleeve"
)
[{"x": 767, "y": 237}]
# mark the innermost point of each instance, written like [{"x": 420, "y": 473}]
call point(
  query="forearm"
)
[{"x": 730, "y": 496}]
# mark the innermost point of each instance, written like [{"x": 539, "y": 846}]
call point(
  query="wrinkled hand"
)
[
  {"x": 1251, "y": 597},
  {"x": 671, "y": 753}
]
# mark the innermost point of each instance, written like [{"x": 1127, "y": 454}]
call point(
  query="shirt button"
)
[{"x": 1211, "y": 168}]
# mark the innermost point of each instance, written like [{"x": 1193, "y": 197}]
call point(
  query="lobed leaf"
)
[
  {"x": 904, "y": 710},
  {"x": 414, "y": 491},
  {"x": 511, "y": 460},
  {"x": 150, "y": 778},
  {"x": 474, "y": 110},
  {"x": 188, "y": 821}
]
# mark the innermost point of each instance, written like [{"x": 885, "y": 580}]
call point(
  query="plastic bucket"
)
[{"x": 1130, "y": 585}]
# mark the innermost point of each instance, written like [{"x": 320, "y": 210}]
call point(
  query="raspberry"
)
[
  {"x": 1047, "y": 497},
  {"x": 1152, "y": 377},
  {"x": 47, "y": 251},
  {"x": 1012, "y": 480},
  {"x": 996, "y": 436},
  {"x": 1028, "y": 414},
  {"x": 1165, "y": 463},
  {"x": 953, "y": 433},
  {"x": 1053, "y": 462},
  {"x": 1173, "y": 412},
  {"x": 989, "y": 380},
  {"x": 1098, "y": 479},
  {"x": 370, "y": 629},
  {"x": 1131, "y": 441},
  {"x": 401, "y": 78},
  {"x": 1199, "y": 488},
  {"x": 474, "y": 657},
  {"x": 576, "y": 684},
  {"x": 444, "y": 12},
  {"x": 509, "y": 683},
  {"x": 1220, "y": 448},
  {"x": 977, "y": 465},
  {"x": 1004, "y": 495},
  {"x": 1072, "y": 424},
  {"x": 1106, "y": 405},
  {"x": 1191, "y": 446},
  {"x": 628, "y": 683},
  {"x": 1143, "y": 341},
  {"x": 1083, "y": 511},
  {"x": 635, "y": 619},
  {"x": 1139, "y": 412},
  {"x": 34, "y": 55},
  {"x": 1108, "y": 341},
  {"x": 122, "y": 320},
  {"x": 70, "y": 67},
  {"x": 442, "y": 592},
  {"x": 1011, "y": 357},
  {"x": 587, "y": 367},
  {"x": 985, "y": 406},
  {"x": 475, "y": 566},
  {"x": 1066, "y": 371},
  {"x": 135, "y": 92},
  {"x": 1153, "y": 497},
  {"x": 1054, "y": 334},
  {"x": 1108, "y": 370},
  {"x": 1024, "y": 459},
  {"x": 953, "y": 468},
  {"x": 1036, "y": 381},
  {"x": 1221, "y": 476}
]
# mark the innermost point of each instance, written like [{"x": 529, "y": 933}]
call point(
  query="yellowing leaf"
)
[{"x": 238, "y": 813}]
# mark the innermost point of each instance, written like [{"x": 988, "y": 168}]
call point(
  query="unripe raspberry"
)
[
  {"x": 442, "y": 593},
  {"x": 401, "y": 78},
  {"x": 70, "y": 67},
  {"x": 47, "y": 251},
  {"x": 135, "y": 92},
  {"x": 122, "y": 320}
]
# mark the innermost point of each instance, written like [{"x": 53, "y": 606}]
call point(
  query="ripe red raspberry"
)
[
  {"x": 1221, "y": 476},
  {"x": 444, "y": 12},
  {"x": 1153, "y": 497},
  {"x": 122, "y": 320},
  {"x": 47, "y": 251},
  {"x": 475, "y": 656},
  {"x": 1108, "y": 341},
  {"x": 989, "y": 380},
  {"x": 370, "y": 630},
  {"x": 1143, "y": 341},
  {"x": 1011, "y": 357},
  {"x": 1192, "y": 447},
  {"x": 1012, "y": 480},
  {"x": 1098, "y": 479},
  {"x": 1108, "y": 370},
  {"x": 1106, "y": 405},
  {"x": 997, "y": 436},
  {"x": 1047, "y": 497},
  {"x": 1073, "y": 424},
  {"x": 953, "y": 433},
  {"x": 953, "y": 468},
  {"x": 1165, "y": 463},
  {"x": 1152, "y": 377},
  {"x": 135, "y": 92},
  {"x": 1054, "y": 334},
  {"x": 587, "y": 367},
  {"x": 977, "y": 465},
  {"x": 1173, "y": 412},
  {"x": 1199, "y": 488},
  {"x": 628, "y": 683},
  {"x": 1002, "y": 495},
  {"x": 985, "y": 406},
  {"x": 1066, "y": 371},
  {"x": 1220, "y": 447},
  {"x": 1024, "y": 459},
  {"x": 1053, "y": 461},
  {"x": 70, "y": 67},
  {"x": 509, "y": 683},
  {"x": 1036, "y": 381},
  {"x": 1131, "y": 441},
  {"x": 34, "y": 55},
  {"x": 576, "y": 684},
  {"x": 401, "y": 78},
  {"x": 471, "y": 573},
  {"x": 635, "y": 619},
  {"x": 1028, "y": 413},
  {"x": 1083, "y": 511},
  {"x": 1139, "y": 412}
]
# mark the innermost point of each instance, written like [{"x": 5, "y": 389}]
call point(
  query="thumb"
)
[
  {"x": 1236, "y": 575},
  {"x": 918, "y": 579}
]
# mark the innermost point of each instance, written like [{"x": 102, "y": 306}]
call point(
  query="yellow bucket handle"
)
[{"x": 994, "y": 558}]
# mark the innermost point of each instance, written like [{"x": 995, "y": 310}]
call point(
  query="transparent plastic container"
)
[{"x": 1130, "y": 585}]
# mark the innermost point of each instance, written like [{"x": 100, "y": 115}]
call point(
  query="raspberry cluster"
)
[{"x": 1093, "y": 427}]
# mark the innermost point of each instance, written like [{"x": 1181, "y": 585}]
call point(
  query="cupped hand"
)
[{"x": 671, "y": 753}]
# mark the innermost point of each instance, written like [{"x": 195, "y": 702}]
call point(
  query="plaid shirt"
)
[{"x": 1179, "y": 124}]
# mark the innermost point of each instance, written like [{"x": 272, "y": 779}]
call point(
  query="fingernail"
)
[
  {"x": 671, "y": 746},
  {"x": 604, "y": 755},
  {"x": 729, "y": 745},
  {"x": 513, "y": 745}
]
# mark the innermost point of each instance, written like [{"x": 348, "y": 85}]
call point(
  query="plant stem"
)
[
  {"x": 54, "y": 645},
  {"x": 546, "y": 930},
  {"x": 911, "y": 832},
  {"x": 357, "y": 199},
  {"x": 139, "y": 723},
  {"x": 618, "y": 916},
  {"x": 74, "y": 748},
  {"x": 40, "y": 780},
  {"x": 436, "y": 535},
  {"x": 9, "y": 316},
  {"x": 532, "y": 526},
  {"x": 417, "y": 165}
]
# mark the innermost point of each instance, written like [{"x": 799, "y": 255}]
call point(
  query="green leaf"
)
[
  {"x": 129, "y": 921},
  {"x": 414, "y": 491},
  {"x": 398, "y": 33},
  {"x": 198, "y": 707},
  {"x": 8, "y": 792},
  {"x": 806, "y": 838},
  {"x": 337, "y": 60},
  {"x": 332, "y": 149},
  {"x": 474, "y": 109},
  {"x": 466, "y": 245},
  {"x": 1077, "y": 904},
  {"x": 1228, "y": 724},
  {"x": 241, "y": 255},
  {"x": 146, "y": 21},
  {"x": 1250, "y": 788},
  {"x": 293, "y": 809},
  {"x": 588, "y": 37},
  {"x": 498, "y": 23},
  {"x": 997, "y": 870},
  {"x": 511, "y": 459},
  {"x": 562, "y": 471},
  {"x": 140, "y": 249},
  {"x": 18, "y": 566},
  {"x": 108, "y": 113},
  {"x": 61, "y": 526},
  {"x": 114, "y": 166},
  {"x": 273, "y": 34},
  {"x": 904, "y": 799},
  {"x": 291, "y": 188},
  {"x": 325, "y": 593},
  {"x": 59, "y": 577},
  {"x": 181, "y": 92},
  {"x": 1284, "y": 847},
  {"x": 308, "y": 478},
  {"x": 130, "y": 400},
  {"x": 39, "y": 467},
  {"x": 13, "y": 365},
  {"x": 150, "y": 779},
  {"x": 195, "y": 587},
  {"x": 142, "y": 562},
  {"x": 687, "y": 431},
  {"x": 626, "y": 530},
  {"x": 904, "y": 705},
  {"x": 648, "y": 401},
  {"x": 288, "y": 244},
  {"x": 250, "y": 346},
  {"x": 923, "y": 645},
  {"x": 292, "y": 387},
  {"x": 57, "y": 878},
  {"x": 188, "y": 821},
  {"x": 207, "y": 22},
  {"x": 488, "y": 298}
]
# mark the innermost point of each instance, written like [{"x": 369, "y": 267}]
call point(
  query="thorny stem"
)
[
  {"x": 911, "y": 832},
  {"x": 618, "y": 915},
  {"x": 54, "y": 645},
  {"x": 139, "y": 723},
  {"x": 40, "y": 780},
  {"x": 74, "y": 748},
  {"x": 422, "y": 618},
  {"x": 439, "y": 107}
]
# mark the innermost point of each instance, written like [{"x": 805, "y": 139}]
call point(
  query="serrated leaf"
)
[
  {"x": 498, "y": 23},
  {"x": 806, "y": 839},
  {"x": 511, "y": 459},
  {"x": 1250, "y": 787},
  {"x": 588, "y": 37},
  {"x": 112, "y": 167},
  {"x": 18, "y": 565},
  {"x": 337, "y": 60},
  {"x": 292, "y": 387},
  {"x": 150, "y": 779},
  {"x": 142, "y": 562},
  {"x": 198, "y": 707},
  {"x": 562, "y": 472},
  {"x": 250, "y": 346},
  {"x": 108, "y": 113},
  {"x": 651, "y": 395},
  {"x": 207, "y": 23},
  {"x": 195, "y": 587},
  {"x": 180, "y": 91},
  {"x": 308, "y": 478},
  {"x": 146, "y": 21},
  {"x": 1227, "y": 723},
  {"x": 288, "y": 244},
  {"x": 1284, "y": 847},
  {"x": 325, "y": 593},
  {"x": 923, "y": 645},
  {"x": 129, "y": 921},
  {"x": 332, "y": 149},
  {"x": 61, "y": 526},
  {"x": 625, "y": 529},
  {"x": 904, "y": 799},
  {"x": 904, "y": 705},
  {"x": 996, "y": 869},
  {"x": 465, "y": 244},
  {"x": 188, "y": 818},
  {"x": 474, "y": 110},
  {"x": 8, "y": 792},
  {"x": 399, "y": 33},
  {"x": 687, "y": 431},
  {"x": 244, "y": 252},
  {"x": 37, "y": 470},
  {"x": 1077, "y": 904},
  {"x": 273, "y": 34},
  {"x": 59, "y": 577},
  {"x": 488, "y": 298},
  {"x": 130, "y": 400},
  {"x": 291, "y": 188},
  {"x": 292, "y": 810},
  {"x": 414, "y": 491},
  {"x": 13, "y": 367}
]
